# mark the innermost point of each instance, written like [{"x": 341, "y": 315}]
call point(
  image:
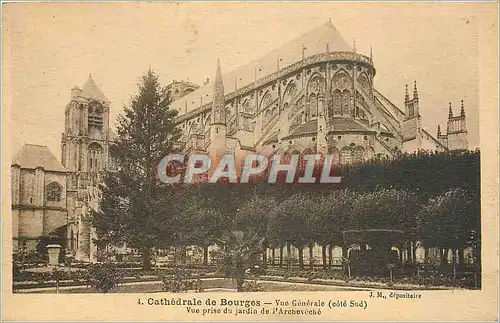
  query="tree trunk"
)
[
  {"x": 345, "y": 252},
  {"x": 311, "y": 257},
  {"x": 301, "y": 258},
  {"x": 323, "y": 255},
  {"x": 426, "y": 255},
  {"x": 461, "y": 257},
  {"x": 415, "y": 247},
  {"x": 330, "y": 256},
  {"x": 205, "y": 255},
  {"x": 146, "y": 258},
  {"x": 240, "y": 280},
  {"x": 273, "y": 254},
  {"x": 288, "y": 256},
  {"x": 401, "y": 248},
  {"x": 281, "y": 256},
  {"x": 175, "y": 255},
  {"x": 264, "y": 257}
]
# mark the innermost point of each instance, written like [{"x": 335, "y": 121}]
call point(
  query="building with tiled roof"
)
[
  {"x": 313, "y": 94},
  {"x": 39, "y": 198}
]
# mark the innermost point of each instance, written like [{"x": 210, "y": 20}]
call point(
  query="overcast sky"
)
[{"x": 52, "y": 47}]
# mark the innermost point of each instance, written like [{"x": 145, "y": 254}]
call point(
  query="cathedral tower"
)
[
  {"x": 457, "y": 130},
  {"x": 411, "y": 123},
  {"x": 84, "y": 148},
  {"x": 218, "y": 127}
]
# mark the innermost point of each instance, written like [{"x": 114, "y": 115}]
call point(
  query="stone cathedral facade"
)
[{"x": 315, "y": 94}]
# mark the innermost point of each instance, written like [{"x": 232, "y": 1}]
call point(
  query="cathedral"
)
[
  {"x": 315, "y": 94},
  {"x": 323, "y": 100},
  {"x": 52, "y": 200}
]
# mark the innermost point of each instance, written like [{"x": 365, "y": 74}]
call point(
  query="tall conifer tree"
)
[{"x": 135, "y": 206}]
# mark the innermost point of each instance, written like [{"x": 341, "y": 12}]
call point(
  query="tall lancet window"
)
[
  {"x": 337, "y": 102},
  {"x": 346, "y": 98},
  {"x": 95, "y": 157}
]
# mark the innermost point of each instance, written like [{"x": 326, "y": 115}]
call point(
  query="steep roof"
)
[
  {"x": 33, "y": 156},
  {"x": 91, "y": 91},
  {"x": 314, "y": 42}
]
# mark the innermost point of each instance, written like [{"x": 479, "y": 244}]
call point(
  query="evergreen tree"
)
[{"x": 135, "y": 207}]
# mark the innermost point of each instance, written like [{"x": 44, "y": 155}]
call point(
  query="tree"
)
[
  {"x": 146, "y": 134},
  {"x": 449, "y": 222},
  {"x": 296, "y": 229},
  {"x": 254, "y": 216},
  {"x": 334, "y": 212},
  {"x": 240, "y": 251}
]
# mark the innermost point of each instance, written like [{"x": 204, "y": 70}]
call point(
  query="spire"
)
[
  {"x": 450, "y": 112},
  {"x": 462, "y": 110},
  {"x": 415, "y": 90},
  {"x": 91, "y": 91},
  {"x": 439, "y": 131},
  {"x": 354, "y": 44},
  {"x": 371, "y": 53},
  {"x": 218, "y": 104},
  {"x": 327, "y": 47},
  {"x": 407, "y": 96}
]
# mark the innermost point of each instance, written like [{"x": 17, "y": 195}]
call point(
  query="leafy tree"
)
[
  {"x": 240, "y": 251},
  {"x": 332, "y": 220},
  {"x": 254, "y": 216},
  {"x": 449, "y": 222},
  {"x": 135, "y": 203},
  {"x": 292, "y": 214}
]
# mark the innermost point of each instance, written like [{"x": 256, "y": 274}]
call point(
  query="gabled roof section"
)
[
  {"x": 34, "y": 156},
  {"x": 308, "y": 44},
  {"x": 91, "y": 91}
]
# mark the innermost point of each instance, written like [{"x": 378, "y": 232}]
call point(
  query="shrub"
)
[
  {"x": 176, "y": 280},
  {"x": 103, "y": 277},
  {"x": 252, "y": 286}
]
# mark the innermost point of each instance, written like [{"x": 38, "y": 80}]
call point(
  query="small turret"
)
[
  {"x": 462, "y": 110},
  {"x": 415, "y": 91},
  {"x": 407, "y": 96},
  {"x": 450, "y": 112},
  {"x": 439, "y": 131},
  {"x": 75, "y": 92}
]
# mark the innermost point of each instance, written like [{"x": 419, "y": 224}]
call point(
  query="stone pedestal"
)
[{"x": 53, "y": 250}]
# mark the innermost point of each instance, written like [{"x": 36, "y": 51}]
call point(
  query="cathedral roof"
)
[
  {"x": 314, "y": 42},
  {"x": 91, "y": 91},
  {"x": 33, "y": 156},
  {"x": 334, "y": 125}
]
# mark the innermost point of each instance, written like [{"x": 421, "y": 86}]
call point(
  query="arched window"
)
[
  {"x": 312, "y": 107},
  {"x": 345, "y": 156},
  {"x": 358, "y": 155},
  {"x": 53, "y": 192},
  {"x": 94, "y": 158}
]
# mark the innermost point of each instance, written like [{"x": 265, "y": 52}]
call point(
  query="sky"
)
[{"x": 50, "y": 48}]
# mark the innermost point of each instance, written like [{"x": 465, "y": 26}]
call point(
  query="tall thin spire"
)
[
  {"x": 450, "y": 112},
  {"x": 371, "y": 53},
  {"x": 462, "y": 110},
  {"x": 415, "y": 90},
  {"x": 218, "y": 104},
  {"x": 439, "y": 131},
  {"x": 327, "y": 47},
  {"x": 354, "y": 44},
  {"x": 407, "y": 96}
]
